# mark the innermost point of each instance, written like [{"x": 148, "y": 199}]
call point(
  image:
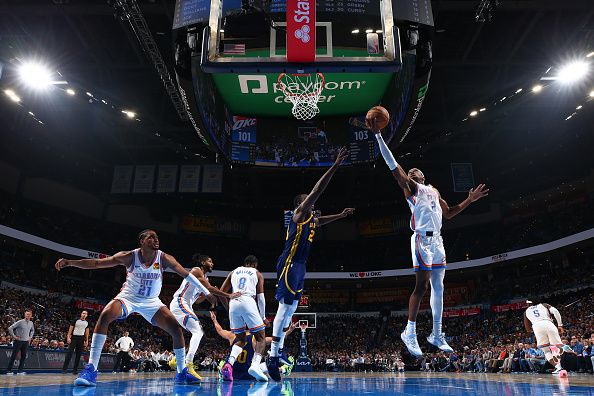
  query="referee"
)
[{"x": 77, "y": 330}]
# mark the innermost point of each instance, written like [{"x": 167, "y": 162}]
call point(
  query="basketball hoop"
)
[
  {"x": 303, "y": 90},
  {"x": 303, "y": 324}
]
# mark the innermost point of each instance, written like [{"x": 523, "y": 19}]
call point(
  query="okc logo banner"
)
[{"x": 301, "y": 30}]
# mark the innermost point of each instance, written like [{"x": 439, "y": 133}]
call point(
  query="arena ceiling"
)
[{"x": 475, "y": 64}]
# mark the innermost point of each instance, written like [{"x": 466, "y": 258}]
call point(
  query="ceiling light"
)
[
  {"x": 89, "y": 94},
  {"x": 103, "y": 100},
  {"x": 579, "y": 107},
  {"x": 573, "y": 71},
  {"x": 519, "y": 90},
  {"x": 591, "y": 54},
  {"x": 10, "y": 92},
  {"x": 32, "y": 113},
  {"x": 355, "y": 31},
  {"x": 70, "y": 91},
  {"x": 537, "y": 88},
  {"x": 502, "y": 99},
  {"x": 473, "y": 113},
  {"x": 379, "y": 31},
  {"x": 483, "y": 109},
  {"x": 592, "y": 94},
  {"x": 35, "y": 75},
  {"x": 369, "y": 31},
  {"x": 129, "y": 114}
]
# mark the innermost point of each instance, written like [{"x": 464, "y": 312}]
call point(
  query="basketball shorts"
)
[
  {"x": 427, "y": 252},
  {"x": 546, "y": 334},
  {"x": 184, "y": 314},
  {"x": 290, "y": 280},
  {"x": 244, "y": 315},
  {"x": 146, "y": 307}
]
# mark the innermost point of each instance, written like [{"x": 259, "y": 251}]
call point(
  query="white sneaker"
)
[
  {"x": 557, "y": 371},
  {"x": 10, "y": 373},
  {"x": 410, "y": 340},
  {"x": 440, "y": 342},
  {"x": 257, "y": 373},
  {"x": 21, "y": 373}
]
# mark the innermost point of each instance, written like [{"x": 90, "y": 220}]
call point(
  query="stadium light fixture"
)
[
  {"x": 473, "y": 113},
  {"x": 592, "y": 94},
  {"x": 579, "y": 107},
  {"x": 70, "y": 92},
  {"x": 129, "y": 114},
  {"x": 32, "y": 113},
  {"x": 35, "y": 75},
  {"x": 483, "y": 109},
  {"x": 537, "y": 88},
  {"x": 573, "y": 72},
  {"x": 591, "y": 54},
  {"x": 89, "y": 94},
  {"x": 369, "y": 31},
  {"x": 355, "y": 31},
  {"x": 519, "y": 90},
  {"x": 14, "y": 97}
]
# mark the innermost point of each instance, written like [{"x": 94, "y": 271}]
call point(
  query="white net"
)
[{"x": 303, "y": 90}]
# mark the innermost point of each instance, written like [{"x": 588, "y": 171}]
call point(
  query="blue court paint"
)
[{"x": 314, "y": 386}]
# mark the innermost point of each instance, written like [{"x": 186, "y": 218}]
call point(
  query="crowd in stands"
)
[{"x": 489, "y": 342}]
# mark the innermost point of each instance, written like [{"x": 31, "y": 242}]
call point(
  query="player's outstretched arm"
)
[
  {"x": 527, "y": 324},
  {"x": 120, "y": 258},
  {"x": 323, "y": 220},
  {"x": 303, "y": 210},
  {"x": 226, "y": 334},
  {"x": 406, "y": 183},
  {"x": 473, "y": 195}
]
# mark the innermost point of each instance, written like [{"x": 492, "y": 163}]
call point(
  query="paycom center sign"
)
[{"x": 261, "y": 94}]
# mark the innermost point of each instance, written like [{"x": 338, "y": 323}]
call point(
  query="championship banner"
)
[
  {"x": 166, "y": 178},
  {"x": 212, "y": 179},
  {"x": 462, "y": 177},
  {"x": 122, "y": 179},
  {"x": 144, "y": 178},
  {"x": 301, "y": 31},
  {"x": 189, "y": 179}
]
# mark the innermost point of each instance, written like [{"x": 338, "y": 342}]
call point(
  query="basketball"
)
[{"x": 380, "y": 114}]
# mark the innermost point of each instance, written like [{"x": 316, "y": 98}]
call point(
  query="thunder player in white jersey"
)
[
  {"x": 428, "y": 254},
  {"x": 139, "y": 294},
  {"x": 186, "y": 296},
  {"x": 538, "y": 318},
  {"x": 246, "y": 314}
]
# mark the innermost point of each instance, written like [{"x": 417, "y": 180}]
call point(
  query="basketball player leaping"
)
[
  {"x": 428, "y": 254},
  {"x": 246, "y": 314},
  {"x": 185, "y": 297},
  {"x": 538, "y": 318},
  {"x": 291, "y": 264},
  {"x": 139, "y": 294}
]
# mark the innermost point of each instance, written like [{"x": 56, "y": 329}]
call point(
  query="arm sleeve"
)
[
  {"x": 261, "y": 304},
  {"x": 11, "y": 328},
  {"x": 195, "y": 282},
  {"x": 386, "y": 153},
  {"x": 557, "y": 315}
]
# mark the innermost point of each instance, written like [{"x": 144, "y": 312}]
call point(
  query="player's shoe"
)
[
  {"x": 191, "y": 370},
  {"x": 172, "y": 363},
  {"x": 282, "y": 357},
  {"x": 410, "y": 340},
  {"x": 227, "y": 372},
  {"x": 186, "y": 378},
  {"x": 440, "y": 342},
  {"x": 558, "y": 371},
  {"x": 286, "y": 369},
  {"x": 257, "y": 373},
  {"x": 220, "y": 367},
  {"x": 87, "y": 377},
  {"x": 272, "y": 366}
]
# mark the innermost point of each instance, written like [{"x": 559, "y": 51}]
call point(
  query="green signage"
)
[{"x": 261, "y": 95}]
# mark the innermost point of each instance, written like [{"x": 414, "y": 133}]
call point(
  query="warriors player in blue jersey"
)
[
  {"x": 291, "y": 264},
  {"x": 428, "y": 254}
]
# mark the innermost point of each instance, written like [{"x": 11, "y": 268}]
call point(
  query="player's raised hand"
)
[
  {"x": 347, "y": 211},
  {"x": 62, "y": 263},
  {"x": 371, "y": 124},
  {"x": 341, "y": 156},
  {"x": 477, "y": 193}
]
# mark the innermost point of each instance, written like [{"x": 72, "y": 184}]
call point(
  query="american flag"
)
[{"x": 234, "y": 49}]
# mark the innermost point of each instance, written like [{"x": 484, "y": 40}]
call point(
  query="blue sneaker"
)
[
  {"x": 186, "y": 378},
  {"x": 87, "y": 377},
  {"x": 272, "y": 366},
  {"x": 282, "y": 357}
]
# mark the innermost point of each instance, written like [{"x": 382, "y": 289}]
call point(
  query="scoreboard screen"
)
[{"x": 368, "y": 7}]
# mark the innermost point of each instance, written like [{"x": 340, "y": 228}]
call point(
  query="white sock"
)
[
  {"x": 274, "y": 348},
  {"x": 256, "y": 360},
  {"x": 235, "y": 351},
  {"x": 264, "y": 368},
  {"x": 411, "y": 327},
  {"x": 180, "y": 358},
  {"x": 197, "y": 334},
  {"x": 96, "y": 347},
  {"x": 436, "y": 299},
  {"x": 281, "y": 343},
  {"x": 558, "y": 366}
]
